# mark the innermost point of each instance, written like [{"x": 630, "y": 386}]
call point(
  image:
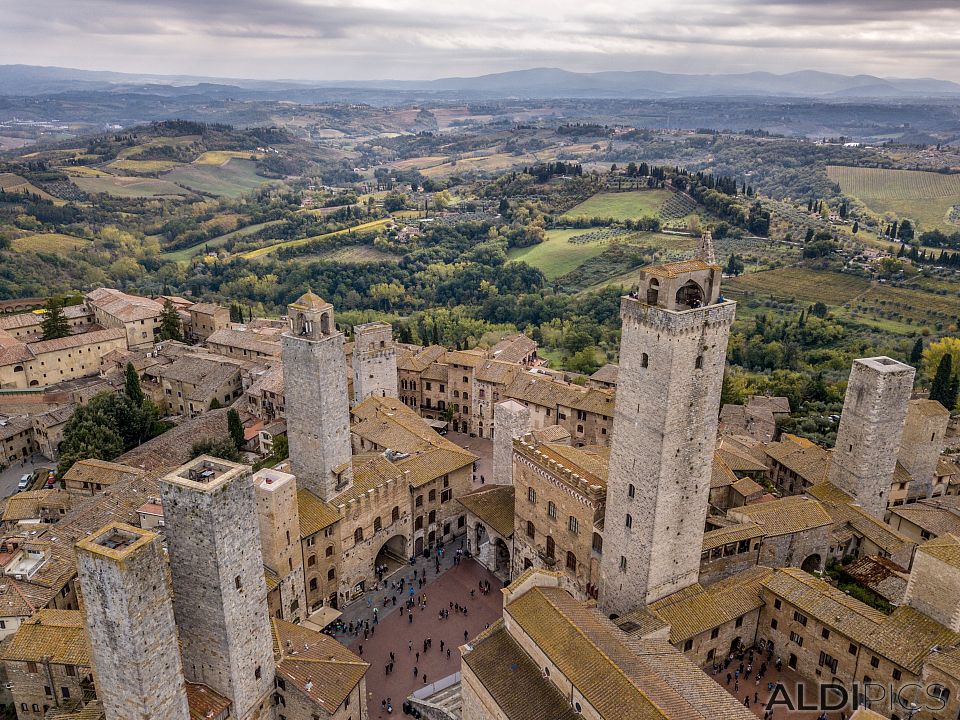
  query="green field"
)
[
  {"x": 219, "y": 241},
  {"x": 128, "y": 187},
  {"x": 356, "y": 254},
  {"x": 232, "y": 179},
  {"x": 48, "y": 242},
  {"x": 621, "y": 206},
  {"x": 924, "y": 197},
  {"x": 556, "y": 256},
  {"x": 260, "y": 252},
  {"x": 798, "y": 284}
]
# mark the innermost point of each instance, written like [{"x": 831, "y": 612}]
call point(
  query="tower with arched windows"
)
[
  {"x": 672, "y": 354},
  {"x": 316, "y": 402}
]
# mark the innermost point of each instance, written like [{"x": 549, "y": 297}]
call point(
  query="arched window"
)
[
  {"x": 331, "y": 574},
  {"x": 699, "y": 363},
  {"x": 551, "y": 547},
  {"x": 552, "y": 509},
  {"x": 311, "y": 561},
  {"x": 329, "y": 550},
  {"x": 597, "y": 543},
  {"x": 629, "y": 521},
  {"x": 358, "y": 534},
  {"x": 432, "y": 518},
  {"x": 418, "y": 523},
  {"x": 631, "y": 491},
  {"x": 623, "y": 564},
  {"x": 644, "y": 360},
  {"x": 939, "y": 691},
  {"x": 571, "y": 561},
  {"x": 377, "y": 524},
  {"x": 531, "y": 531},
  {"x": 313, "y": 584},
  {"x": 394, "y": 514}
]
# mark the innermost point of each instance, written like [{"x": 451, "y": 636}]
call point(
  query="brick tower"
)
[
  {"x": 672, "y": 354},
  {"x": 126, "y": 595},
  {"x": 871, "y": 427},
  {"x": 277, "y": 513},
  {"x": 219, "y": 592},
  {"x": 315, "y": 392},
  {"x": 374, "y": 361}
]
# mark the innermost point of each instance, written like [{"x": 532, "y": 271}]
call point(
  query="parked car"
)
[
  {"x": 24, "y": 482},
  {"x": 51, "y": 479}
]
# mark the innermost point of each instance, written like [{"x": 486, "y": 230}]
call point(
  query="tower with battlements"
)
[
  {"x": 871, "y": 428},
  {"x": 316, "y": 403},
  {"x": 279, "y": 521},
  {"x": 374, "y": 361},
  {"x": 672, "y": 355},
  {"x": 126, "y": 596},
  {"x": 219, "y": 591}
]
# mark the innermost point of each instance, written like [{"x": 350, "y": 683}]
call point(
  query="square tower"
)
[
  {"x": 374, "y": 361},
  {"x": 315, "y": 396},
  {"x": 871, "y": 427},
  {"x": 219, "y": 591},
  {"x": 672, "y": 354},
  {"x": 126, "y": 595},
  {"x": 510, "y": 420},
  {"x": 921, "y": 445},
  {"x": 279, "y": 519}
]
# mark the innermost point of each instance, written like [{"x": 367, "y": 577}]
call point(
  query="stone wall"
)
[
  {"x": 374, "y": 361},
  {"x": 510, "y": 420},
  {"x": 934, "y": 590}
]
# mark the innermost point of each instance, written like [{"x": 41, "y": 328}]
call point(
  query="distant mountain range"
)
[{"x": 528, "y": 84}]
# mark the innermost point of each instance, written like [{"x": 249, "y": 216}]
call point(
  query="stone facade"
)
[
  {"x": 219, "y": 591},
  {"x": 48, "y": 362},
  {"x": 672, "y": 357},
  {"x": 871, "y": 426},
  {"x": 315, "y": 392},
  {"x": 921, "y": 444},
  {"x": 374, "y": 361},
  {"x": 934, "y": 583},
  {"x": 276, "y": 494},
  {"x": 510, "y": 420},
  {"x": 126, "y": 593}
]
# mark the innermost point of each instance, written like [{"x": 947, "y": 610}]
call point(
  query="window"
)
[
  {"x": 800, "y": 617},
  {"x": 531, "y": 532},
  {"x": 896, "y": 674},
  {"x": 631, "y": 491},
  {"x": 825, "y": 634},
  {"x": 699, "y": 363},
  {"x": 939, "y": 692},
  {"x": 531, "y": 495},
  {"x": 628, "y": 521},
  {"x": 395, "y": 514},
  {"x": 236, "y": 581},
  {"x": 777, "y": 604},
  {"x": 418, "y": 523},
  {"x": 377, "y": 525},
  {"x": 446, "y": 495},
  {"x": 688, "y": 645},
  {"x": 597, "y": 543},
  {"x": 623, "y": 564},
  {"x": 71, "y": 671},
  {"x": 571, "y": 561},
  {"x": 329, "y": 551},
  {"x": 331, "y": 574},
  {"x": 31, "y": 667},
  {"x": 358, "y": 534},
  {"x": 828, "y": 661},
  {"x": 739, "y": 622},
  {"x": 552, "y": 510},
  {"x": 715, "y": 633},
  {"x": 65, "y": 692},
  {"x": 573, "y": 525},
  {"x": 432, "y": 518},
  {"x": 419, "y": 501},
  {"x": 432, "y": 496},
  {"x": 874, "y": 661},
  {"x": 852, "y": 649},
  {"x": 313, "y": 584},
  {"x": 773, "y": 624},
  {"x": 798, "y": 639},
  {"x": 644, "y": 360},
  {"x": 257, "y": 673},
  {"x": 311, "y": 561}
]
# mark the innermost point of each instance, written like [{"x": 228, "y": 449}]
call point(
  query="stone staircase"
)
[{"x": 443, "y": 704}]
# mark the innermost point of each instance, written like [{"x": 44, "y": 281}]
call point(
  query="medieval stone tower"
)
[
  {"x": 219, "y": 592},
  {"x": 871, "y": 426},
  {"x": 921, "y": 444},
  {"x": 276, "y": 494},
  {"x": 126, "y": 595},
  {"x": 374, "y": 361},
  {"x": 672, "y": 354},
  {"x": 510, "y": 420},
  {"x": 315, "y": 391}
]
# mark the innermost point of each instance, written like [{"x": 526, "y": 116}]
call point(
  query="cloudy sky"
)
[{"x": 420, "y": 39}]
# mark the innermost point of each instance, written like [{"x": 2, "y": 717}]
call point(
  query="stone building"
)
[
  {"x": 730, "y": 550},
  {"x": 126, "y": 594},
  {"x": 560, "y": 504},
  {"x": 244, "y": 343},
  {"x": 490, "y": 522},
  {"x": 374, "y": 361},
  {"x": 48, "y": 664},
  {"x": 797, "y": 532},
  {"x": 578, "y": 664},
  {"x": 219, "y": 593},
  {"x": 138, "y": 317},
  {"x": 320, "y": 550},
  {"x": 90, "y": 477},
  {"x": 871, "y": 426},
  {"x": 48, "y": 430},
  {"x": 47, "y": 362},
  {"x": 921, "y": 444},
  {"x": 672, "y": 356},
  {"x": 315, "y": 391},
  {"x": 190, "y": 384},
  {"x": 205, "y": 320},
  {"x": 17, "y": 439},
  {"x": 277, "y": 513},
  {"x": 511, "y": 420}
]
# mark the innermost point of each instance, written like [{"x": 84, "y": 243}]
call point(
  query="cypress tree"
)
[
  {"x": 170, "y": 323},
  {"x": 132, "y": 387},
  {"x": 916, "y": 355},
  {"x": 953, "y": 392},
  {"x": 940, "y": 389},
  {"x": 54, "y": 324},
  {"x": 235, "y": 427}
]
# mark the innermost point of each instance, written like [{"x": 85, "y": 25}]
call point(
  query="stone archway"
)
[
  {"x": 812, "y": 563},
  {"x": 393, "y": 553},
  {"x": 690, "y": 294},
  {"x": 501, "y": 557}
]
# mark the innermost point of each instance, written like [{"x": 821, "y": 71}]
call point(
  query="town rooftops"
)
[
  {"x": 244, "y": 340},
  {"x": 101, "y": 472},
  {"x": 123, "y": 307},
  {"x": 843, "y": 510},
  {"x": 607, "y": 374},
  {"x": 205, "y": 308},
  {"x": 72, "y": 341},
  {"x": 493, "y": 505},
  {"x": 310, "y": 301},
  {"x": 57, "y": 636},
  {"x": 785, "y": 516},
  {"x": 206, "y": 703},
  {"x": 315, "y": 514},
  {"x": 945, "y": 548},
  {"x": 514, "y": 349},
  {"x": 317, "y": 665}
]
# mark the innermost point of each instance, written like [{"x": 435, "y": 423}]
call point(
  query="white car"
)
[{"x": 24, "y": 482}]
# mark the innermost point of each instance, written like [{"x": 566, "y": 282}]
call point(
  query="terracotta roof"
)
[
  {"x": 808, "y": 460},
  {"x": 315, "y": 514},
  {"x": 747, "y": 487},
  {"x": 737, "y": 459},
  {"x": 494, "y": 506},
  {"x": 59, "y": 635},
  {"x": 421, "y": 360},
  {"x": 512, "y": 679},
  {"x": 316, "y": 664},
  {"x": 642, "y": 621},
  {"x": 550, "y": 434},
  {"x": 720, "y": 474},
  {"x": 786, "y": 516},
  {"x": 310, "y": 301},
  {"x": 676, "y": 269},
  {"x": 843, "y": 511},
  {"x": 497, "y": 372},
  {"x": 205, "y": 308},
  {"x": 513, "y": 350},
  {"x": 935, "y": 520},
  {"x": 244, "y": 340},
  {"x": 731, "y": 534},
  {"x": 126, "y": 308},
  {"x": 696, "y": 609},
  {"x": 908, "y": 636},
  {"x": 945, "y": 548},
  {"x": 79, "y": 340},
  {"x": 28, "y": 505},
  {"x": 435, "y": 371},
  {"x": 468, "y": 358},
  {"x": 607, "y": 374},
  {"x": 172, "y": 448},
  {"x": 773, "y": 403},
  {"x": 99, "y": 471},
  {"x": 205, "y": 702},
  {"x": 929, "y": 408}
]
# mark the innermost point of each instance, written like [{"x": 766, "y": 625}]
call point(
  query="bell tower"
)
[{"x": 315, "y": 393}]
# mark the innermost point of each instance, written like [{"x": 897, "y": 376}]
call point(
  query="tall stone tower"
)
[
  {"x": 126, "y": 595},
  {"x": 705, "y": 250},
  {"x": 374, "y": 361},
  {"x": 672, "y": 354},
  {"x": 510, "y": 420},
  {"x": 921, "y": 444},
  {"x": 315, "y": 394},
  {"x": 219, "y": 592},
  {"x": 871, "y": 426},
  {"x": 279, "y": 520}
]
